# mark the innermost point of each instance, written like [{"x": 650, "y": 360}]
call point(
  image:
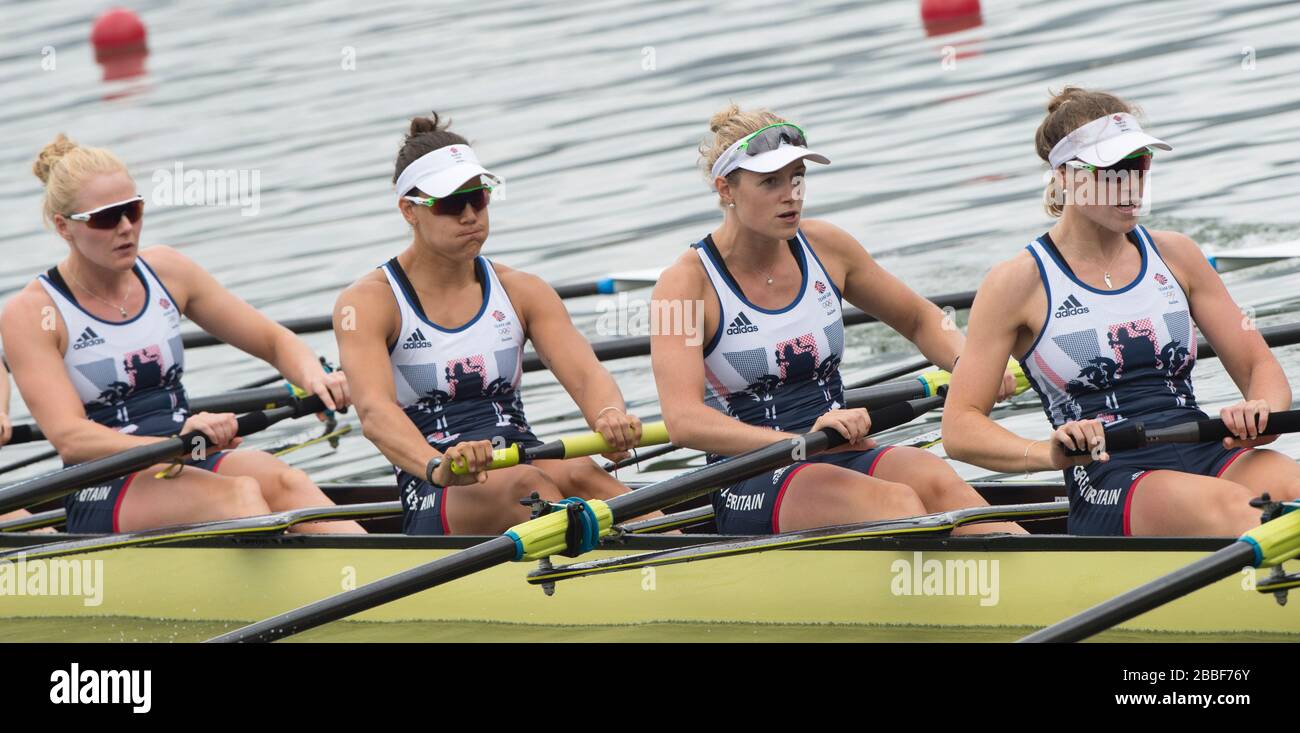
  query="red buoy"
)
[
  {"x": 118, "y": 38},
  {"x": 949, "y": 16}
]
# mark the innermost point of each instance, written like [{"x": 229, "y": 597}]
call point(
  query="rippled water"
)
[{"x": 591, "y": 112}]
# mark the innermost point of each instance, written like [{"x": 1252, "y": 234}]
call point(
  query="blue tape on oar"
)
[{"x": 606, "y": 286}]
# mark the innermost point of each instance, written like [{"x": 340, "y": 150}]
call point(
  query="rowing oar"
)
[
  {"x": 571, "y": 446},
  {"x": 68, "y": 480},
  {"x": 621, "y": 348},
  {"x": 1268, "y": 545},
  {"x": 1131, "y": 435},
  {"x": 550, "y": 534},
  {"x": 926, "y": 524},
  {"x": 604, "y": 286},
  {"x": 240, "y": 400},
  {"x": 34, "y": 521},
  {"x": 1272, "y": 543},
  {"x": 868, "y": 393},
  {"x": 261, "y": 524},
  {"x": 1237, "y": 259}
]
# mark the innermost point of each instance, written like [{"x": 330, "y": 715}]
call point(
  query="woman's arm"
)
[
  {"x": 999, "y": 318},
  {"x": 873, "y": 289},
  {"x": 6, "y": 427},
  {"x": 40, "y": 374},
  {"x": 876, "y": 291},
  {"x": 570, "y": 358},
  {"x": 365, "y": 320},
  {"x": 678, "y": 361},
  {"x": 229, "y": 318},
  {"x": 1241, "y": 349}
]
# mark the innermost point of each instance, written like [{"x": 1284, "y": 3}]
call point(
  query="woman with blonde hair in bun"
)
[
  {"x": 1102, "y": 314},
  {"x": 771, "y": 284},
  {"x": 95, "y": 348}
]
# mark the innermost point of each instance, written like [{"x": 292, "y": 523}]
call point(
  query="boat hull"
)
[{"x": 976, "y": 582}]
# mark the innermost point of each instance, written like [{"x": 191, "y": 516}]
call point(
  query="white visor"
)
[
  {"x": 1104, "y": 141},
  {"x": 443, "y": 171},
  {"x": 773, "y": 160}
]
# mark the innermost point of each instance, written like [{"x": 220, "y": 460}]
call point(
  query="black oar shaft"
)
[
  {"x": 61, "y": 483},
  {"x": 240, "y": 400},
  {"x": 1138, "y": 601}
]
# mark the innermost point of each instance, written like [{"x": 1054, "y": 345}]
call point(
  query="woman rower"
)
[
  {"x": 774, "y": 337},
  {"x": 1103, "y": 315},
  {"x": 101, "y": 360},
  {"x": 433, "y": 342}
]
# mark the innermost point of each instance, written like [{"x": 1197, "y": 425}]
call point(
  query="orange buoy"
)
[
  {"x": 118, "y": 38},
  {"x": 949, "y": 16}
]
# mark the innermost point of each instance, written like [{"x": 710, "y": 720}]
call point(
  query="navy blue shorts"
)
[
  {"x": 753, "y": 506},
  {"x": 1101, "y": 494},
  {"x": 424, "y": 505},
  {"x": 94, "y": 509}
]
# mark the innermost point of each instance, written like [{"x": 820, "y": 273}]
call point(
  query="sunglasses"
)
[
  {"x": 454, "y": 203},
  {"x": 767, "y": 139},
  {"x": 110, "y": 215},
  {"x": 1135, "y": 162}
]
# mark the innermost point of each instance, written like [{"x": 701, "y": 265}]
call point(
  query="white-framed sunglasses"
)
[{"x": 109, "y": 215}]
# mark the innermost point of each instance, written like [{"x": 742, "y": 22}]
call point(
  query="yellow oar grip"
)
[
  {"x": 1022, "y": 382},
  {"x": 934, "y": 380},
  {"x": 590, "y": 444},
  {"x": 1277, "y": 541},
  {"x": 501, "y": 458},
  {"x": 545, "y": 536}
]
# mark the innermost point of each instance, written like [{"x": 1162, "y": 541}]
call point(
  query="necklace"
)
[
  {"x": 120, "y": 308},
  {"x": 1105, "y": 273}
]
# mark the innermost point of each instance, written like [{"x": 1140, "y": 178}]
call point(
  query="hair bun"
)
[
  {"x": 722, "y": 117},
  {"x": 421, "y": 125},
  {"x": 1065, "y": 95},
  {"x": 50, "y": 155}
]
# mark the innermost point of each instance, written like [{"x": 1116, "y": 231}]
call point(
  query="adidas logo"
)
[
  {"x": 1070, "y": 307},
  {"x": 416, "y": 341},
  {"x": 87, "y": 339},
  {"x": 742, "y": 324}
]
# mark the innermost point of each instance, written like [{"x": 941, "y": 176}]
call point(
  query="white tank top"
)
[
  {"x": 127, "y": 374},
  {"x": 1113, "y": 354},
  {"x": 459, "y": 384},
  {"x": 775, "y": 368}
]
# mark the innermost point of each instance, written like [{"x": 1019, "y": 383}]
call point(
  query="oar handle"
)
[
  {"x": 240, "y": 400},
  {"x": 572, "y": 446},
  {"x": 1135, "y": 435},
  {"x": 25, "y": 433}
]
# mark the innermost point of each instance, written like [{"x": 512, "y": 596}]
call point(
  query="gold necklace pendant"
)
[{"x": 1106, "y": 276}]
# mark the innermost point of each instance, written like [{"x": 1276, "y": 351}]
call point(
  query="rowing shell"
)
[{"x": 979, "y": 581}]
